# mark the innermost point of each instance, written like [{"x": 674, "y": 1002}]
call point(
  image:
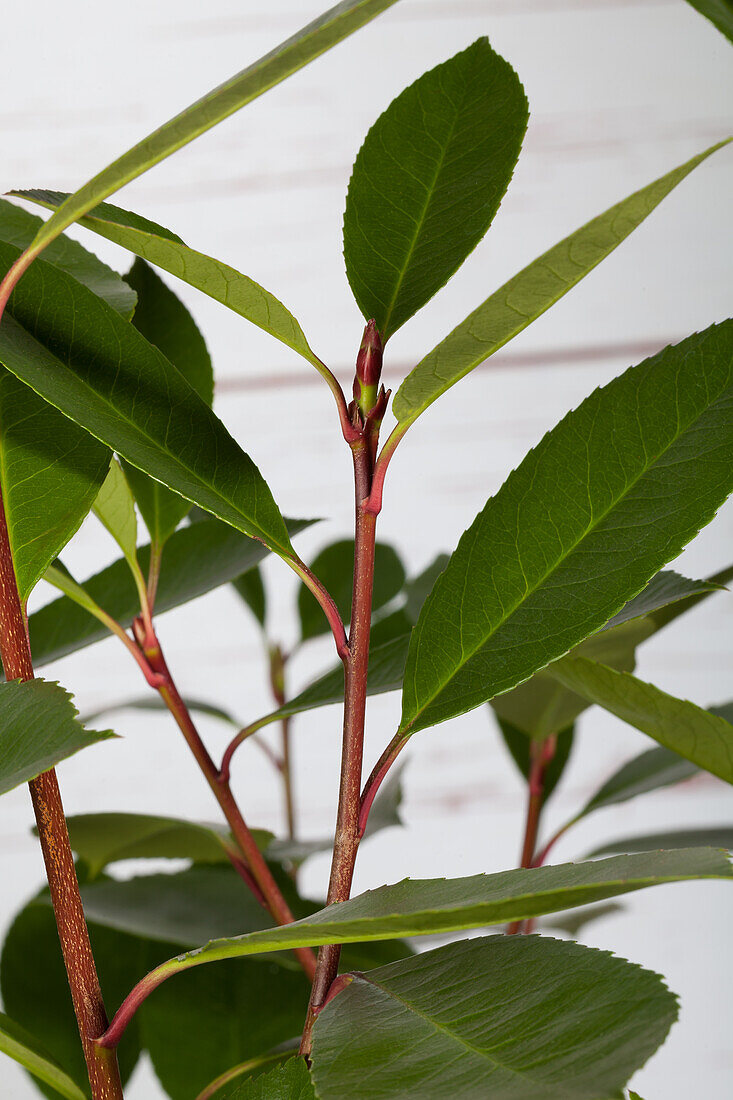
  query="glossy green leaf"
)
[
  {"x": 251, "y": 590},
  {"x": 428, "y": 181},
  {"x": 101, "y": 839},
  {"x": 719, "y": 12},
  {"x": 541, "y": 706},
  {"x": 334, "y": 567},
  {"x": 51, "y": 472},
  {"x": 489, "y": 1017},
  {"x": 314, "y": 39},
  {"x": 540, "y": 569},
  {"x": 18, "y": 227},
  {"x": 35, "y": 988},
  {"x": 714, "y": 836},
  {"x": 518, "y": 743},
  {"x": 24, "y": 1048},
  {"x": 212, "y": 277},
  {"x": 82, "y": 357},
  {"x": 289, "y": 1082},
  {"x": 246, "y": 1008},
  {"x": 705, "y": 739},
  {"x": 38, "y": 728},
  {"x": 431, "y": 906},
  {"x": 529, "y": 293},
  {"x": 651, "y": 771},
  {"x": 218, "y": 552},
  {"x": 115, "y": 509},
  {"x": 164, "y": 320}
]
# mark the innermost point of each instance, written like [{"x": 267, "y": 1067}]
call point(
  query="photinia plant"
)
[{"x": 234, "y": 983}]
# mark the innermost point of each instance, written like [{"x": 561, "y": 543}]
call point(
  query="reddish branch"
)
[
  {"x": 541, "y": 755},
  {"x": 86, "y": 994}
]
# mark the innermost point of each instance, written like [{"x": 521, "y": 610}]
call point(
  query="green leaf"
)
[
  {"x": 250, "y": 588},
  {"x": 186, "y": 908},
  {"x": 314, "y": 39},
  {"x": 651, "y": 771},
  {"x": 38, "y": 729},
  {"x": 665, "y": 589},
  {"x": 526, "y": 296},
  {"x": 541, "y": 706},
  {"x": 18, "y": 227},
  {"x": 576, "y": 919},
  {"x": 82, "y": 357},
  {"x": 704, "y": 738},
  {"x": 248, "y": 1006},
  {"x": 212, "y": 277},
  {"x": 23, "y": 1047},
  {"x": 518, "y": 742},
  {"x": 35, "y": 988},
  {"x": 432, "y": 906},
  {"x": 164, "y": 320},
  {"x": 334, "y": 567},
  {"x": 417, "y": 588},
  {"x": 715, "y": 836},
  {"x": 115, "y": 509},
  {"x": 155, "y": 703},
  {"x": 289, "y": 1082},
  {"x": 540, "y": 570},
  {"x": 51, "y": 472},
  {"x": 719, "y": 12},
  {"x": 101, "y": 839},
  {"x": 663, "y": 616},
  {"x": 428, "y": 181},
  {"x": 490, "y": 1017},
  {"x": 197, "y": 559}
]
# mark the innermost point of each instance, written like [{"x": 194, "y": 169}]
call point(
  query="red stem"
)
[
  {"x": 86, "y": 994},
  {"x": 255, "y": 861},
  {"x": 541, "y": 754},
  {"x": 347, "y": 837}
]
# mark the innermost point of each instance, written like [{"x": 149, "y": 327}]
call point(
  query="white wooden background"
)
[{"x": 620, "y": 92}]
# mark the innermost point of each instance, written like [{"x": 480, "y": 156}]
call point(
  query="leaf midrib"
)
[
  {"x": 423, "y": 213},
  {"x": 161, "y": 445},
  {"x": 458, "y": 1039},
  {"x": 591, "y": 527}
]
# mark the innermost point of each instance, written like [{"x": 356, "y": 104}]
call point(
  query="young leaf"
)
[
  {"x": 101, "y": 839},
  {"x": 432, "y": 906},
  {"x": 701, "y": 737},
  {"x": 314, "y": 39},
  {"x": 289, "y": 1082},
  {"x": 518, "y": 742},
  {"x": 18, "y": 227},
  {"x": 35, "y": 988},
  {"x": 489, "y": 1017},
  {"x": 651, "y": 771},
  {"x": 249, "y": 1007},
  {"x": 166, "y": 323},
  {"x": 719, "y": 12},
  {"x": 334, "y": 567},
  {"x": 715, "y": 836},
  {"x": 212, "y": 277},
  {"x": 38, "y": 729},
  {"x": 197, "y": 559},
  {"x": 23, "y": 1047},
  {"x": 74, "y": 350},
  {"x": 570, "y": 560},
  {"x": 115, "y": 509},
  {"x": 428, "y": 181},
  {"x": 526, "y": 296},
  {"x": 51, "y": 470}
]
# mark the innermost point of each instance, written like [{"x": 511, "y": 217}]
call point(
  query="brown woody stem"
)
[{"x": 86, "y": 994}]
